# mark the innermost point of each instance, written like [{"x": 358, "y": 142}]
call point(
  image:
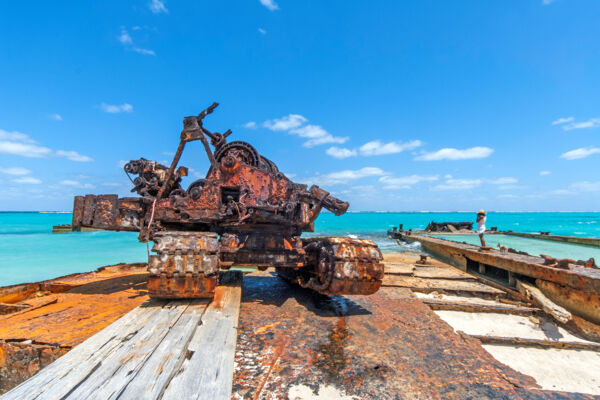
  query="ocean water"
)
[{"x": 29, "y": 252}]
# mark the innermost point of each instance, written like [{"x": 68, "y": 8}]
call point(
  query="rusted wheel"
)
[
  {"x": 195, "y": 188},
  {"x": 241, "y": 150},
  {"x": 321, "y": 267}
]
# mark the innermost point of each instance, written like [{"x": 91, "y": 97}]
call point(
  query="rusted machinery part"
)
[
  {"x": 268, "y": 165},
  {"x": 186, "y": 265},
  {"x": 241, "y": 150},
  {"x": 195, "y": 188},
  {"x": 338, "y": 265}
]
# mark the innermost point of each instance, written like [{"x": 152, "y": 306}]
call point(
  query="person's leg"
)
[{"x": 482, "y": 240}]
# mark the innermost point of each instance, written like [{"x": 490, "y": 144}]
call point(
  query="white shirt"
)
[{"x": 481, "y": 225}]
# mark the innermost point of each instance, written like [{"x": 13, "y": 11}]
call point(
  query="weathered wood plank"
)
[
  {"x": 517, "y": 341},
  {"x": 430, "y": 285},
  {"x": 395, "y": 268},
  {"x": 207, "y": 370},
  {"x": 436, "y": 304},
  {"x": 83, "y": 358},
  {"x": 156, "y": 373},
  {"x": 442, "y": 273},
  {"x": 120, "y": 366},
  {"x": 535, "y": 294}
]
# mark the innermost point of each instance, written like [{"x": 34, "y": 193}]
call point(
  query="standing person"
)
[{"x": 481, "y": 226}]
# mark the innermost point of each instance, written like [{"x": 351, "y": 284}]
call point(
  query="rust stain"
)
[
  {"x": 385, "y": 346},
  {"x": 94, "y": 301}
]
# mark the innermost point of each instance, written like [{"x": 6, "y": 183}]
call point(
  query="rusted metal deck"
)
[{"x": 293, "y": 343}]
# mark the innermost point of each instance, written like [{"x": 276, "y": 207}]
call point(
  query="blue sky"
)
[{"x": 391, "y": 105}]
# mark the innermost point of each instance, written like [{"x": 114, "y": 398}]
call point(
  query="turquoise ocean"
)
[{"x": 29, "y": 252}]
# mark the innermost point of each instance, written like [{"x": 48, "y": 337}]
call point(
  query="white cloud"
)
[
  {"x": 115, "y": 109},
  {"x": 24, "y": 149},
  {"x": 345, "y": 176},
  {"x": 124, "y": 37},
  {"x": 377, "y": 148},
  {"x": 15, "y": 136},
  {"x": 562, "y": 120},
  {"x": 14, "y": 171},
  {"x": 459, "y": 184},
  {"x": 146, "y": 52},
  {"x": 270, "y": 4},
  {"x": 580, "y": 153},
  {"x": 562, "y": 192},
  {"x": 316, "y": 135},
  {"x": 127, "y": 41},
  {"x": 456, "y": 154},
  {"x": 157, "y": 7},
  {"x": 510, "y": 187},
  {"x": 28, "y": 180},
  {"x": 20, "y": 144},
  {"x": 340, "y": 152},
  {"x": 585, "y": 186},
  {"x": 405, "y": 182},
  {"x": 78, "y": 184},
  {"x": 250, "y": 125},
  {"x": 503, "y": 181},
  {"x": 262, "y": 31},
  {"x": 286, "y": 123},
  {"x": 373, "y": 148},
  {"x": 591, "y": 123},
  {"x": 56, "y": 117},
  {"x": 508, "y": 196},
  {"x": 544, "y": 173},
  {"x": 73, "y": 156}
]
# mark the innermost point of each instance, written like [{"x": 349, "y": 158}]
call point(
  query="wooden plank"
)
[
  {"x": 83, "y": 358},
  {"x": 517, "y": 341},
  {"x": 395, "y": 268},
  {"x": 436, "y": 304},
  {"x": 207, "y": 370},
  {"x": 535, "y": 294},
  {"x": 430, "y": 285},
  {"x": 442, "y": 273},
  {"x": 156, "y": 373},
  {"x": 120, "y": 366}
]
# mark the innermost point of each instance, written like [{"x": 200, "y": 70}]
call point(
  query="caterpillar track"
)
[{"x": 337, "y": 265}]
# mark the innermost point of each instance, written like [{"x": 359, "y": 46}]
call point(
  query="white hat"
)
[{"x": 481, "y": 212}]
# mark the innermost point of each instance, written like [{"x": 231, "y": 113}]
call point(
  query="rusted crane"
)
[{"x": 244, "y": 212}]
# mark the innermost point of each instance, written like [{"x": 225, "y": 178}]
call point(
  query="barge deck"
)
[{"x": 405, "y": 341}]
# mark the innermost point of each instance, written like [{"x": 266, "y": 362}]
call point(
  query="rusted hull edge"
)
[
  {"x": 583, "y": 279},
  {"x": 578, "y": 293}
]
